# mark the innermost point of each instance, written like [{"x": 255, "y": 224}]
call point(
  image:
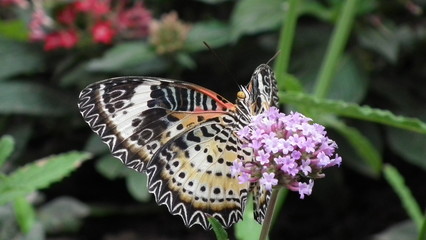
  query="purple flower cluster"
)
[{"x": 289, "y": 150}]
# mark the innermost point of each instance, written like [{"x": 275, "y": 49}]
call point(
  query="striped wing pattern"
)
[
  {"x": 184, "y": 137},
  {"x": 264, "y": 94},
  {"x": 181, "y": 135}
]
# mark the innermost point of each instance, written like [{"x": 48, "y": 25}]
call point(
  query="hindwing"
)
[{"x": 263, "y": 95}]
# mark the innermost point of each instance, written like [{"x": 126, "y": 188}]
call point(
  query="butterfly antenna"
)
[
  {"x": 222, "y": 62},
  {"x": 273, "y": 57}
]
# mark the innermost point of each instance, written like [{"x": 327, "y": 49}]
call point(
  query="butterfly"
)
[{"x": 184, "y": 137}]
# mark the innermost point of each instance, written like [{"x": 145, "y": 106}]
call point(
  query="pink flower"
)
[
  {"x": 69, "y": 38},
  {"x": 62, "y": 39},
  {"x": 305, "y": 167},
  {"x": 39, "y": 20},
  {"x": 293, "y": 149},
  {"x": 68, "y": 15},
  {"x": 296, "y": 155},
  {"x": 268, "y": 180},
  {"x": 305, "y": 188},
  {"x": 262, "y": 158},
  {"x": 255, "y": 144},
  {"x": 169, "y": 34},
  {"x": 243, "y": 178},
  {"x": 236, "y": 168},
  {"x": 96, "y": 7},
  {"x": 135, "y": 22},
  {"x": 324, "y": 160},
  {"x": 103, "y": 32},
  {"x": 244, "y": 132},
  {"x": 100, "y": 8},
  {"x": 52, "y": 41},
  {"x": 19, "y": 3},
  {"x": 257, "y": 133},
  {"x": 83, "y": 6}
]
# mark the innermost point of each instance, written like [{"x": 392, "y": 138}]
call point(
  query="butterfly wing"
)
[
  {"x": 264, "y": 90},
  {"x": 181, "y": 134},
  {"x": 264, "y": 94},
  {"x": 260, "y": 201},
  {"x": 191, "y": 174}
]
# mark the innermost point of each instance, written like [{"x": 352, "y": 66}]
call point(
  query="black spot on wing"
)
[
  {"x": 205, "y": 132},
  {"x": 191, "y": 137},
  {"x": 180, "y": 143}
]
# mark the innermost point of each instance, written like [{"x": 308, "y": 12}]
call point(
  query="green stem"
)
[
  {"x": 335, "y": 48},
  {"x": 269, "y": 214},
  {"x": 286, "y": 41},
  {"x": 282, "y": 196}
]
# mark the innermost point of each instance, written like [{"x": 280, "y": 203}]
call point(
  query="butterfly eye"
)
[{"x": 241, "y": 95}]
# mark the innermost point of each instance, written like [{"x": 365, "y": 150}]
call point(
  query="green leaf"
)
[
  {"x": 8, "y": 225},
  {"x": 291, "y": 83},
  {"x": 14, "y": 30},
  {"x": 95, "y": 145},
  {"x": 318, "y": 10},
  {"x": 137, "y": 185},
  {"x": 422, "y": 235},
  {"x": 220, "y": 233},
  {"x": 409, "y": 145},
  {"x": 307, "y": 64},
  {"x": 362, "y": 146},
  {"x": 185, "y": 60},
  {"x": 39, "y": 174},
  {"x": 110, "y": 167},
  {"x": 383, "y": 41},
  {"x": 396, "y": 181},
  {"x": 402, "y": 230},
  {"x": 6, "y": 148},
  {"x": 329, "y": 10},
  {"x": 255, "y": 16},
  {"x": 121, "y": 56},
  {"x": 25, "y": 214},
  {"x": 78, "y": 76},
  {"x": 18, "y": 58},
  {"x": 349, "y": 83},
  {"x": 351, "y": 110},
  {"x": 36, "y": 233},
  {"x": 63, "y": 214},
  {"x": 366, "y": 7},
  {"x": 214, "y": 33},
  {"x": 154, "y": 66},
  {"x": 21, "y": 134},
  {"x": 248, "y": 228},
  {"x": 33, "y": 99}
]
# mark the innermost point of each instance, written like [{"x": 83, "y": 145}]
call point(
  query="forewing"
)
[{"x": 133, "y": 115}]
